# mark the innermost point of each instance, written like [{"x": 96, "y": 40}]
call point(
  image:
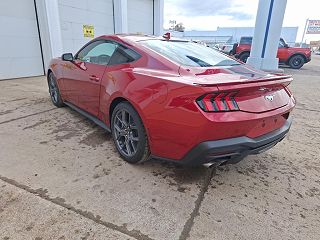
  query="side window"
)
[
  {"x": 123, "y": 55},
  {"x": 98, "y": 52}
]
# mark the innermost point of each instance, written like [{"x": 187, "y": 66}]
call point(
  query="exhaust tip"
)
[
  {"x": 209, "y": 165},
  {"x": 214, "y": 164}
]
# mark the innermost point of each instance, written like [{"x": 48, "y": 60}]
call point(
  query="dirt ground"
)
[{"x": 61, "y": 178}]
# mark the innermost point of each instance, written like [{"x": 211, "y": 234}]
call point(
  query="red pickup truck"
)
[{"x": 293, "y": 56}]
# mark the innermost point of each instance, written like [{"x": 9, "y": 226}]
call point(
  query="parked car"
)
[
  {"x": 294, "y": 57},
  {"x": 226, "y": 48},
  {"x": 216, "y": 46},
  {"x": 200, "y": 42},
  {"x": 173, "y": 99}
]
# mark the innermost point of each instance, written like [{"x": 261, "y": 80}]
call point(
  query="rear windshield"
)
[{"x": 189, "y": 53}]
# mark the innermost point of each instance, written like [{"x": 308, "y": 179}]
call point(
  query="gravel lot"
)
[{"x": 61, "y": 178}]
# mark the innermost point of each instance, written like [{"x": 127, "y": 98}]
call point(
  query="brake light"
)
[
  {"x": 288, "y": 90},
  {"x": 218, "y": 102}
]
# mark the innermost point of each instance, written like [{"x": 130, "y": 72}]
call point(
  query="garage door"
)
[
  {"x": 140, "y": 16},
  {"x": 20, "y": 46},
  {"x": 75, "y": 14}
]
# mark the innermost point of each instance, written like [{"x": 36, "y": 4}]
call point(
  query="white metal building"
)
[
  {"x": 34, "y": 31},
  {"x": 233, "y": 34}
]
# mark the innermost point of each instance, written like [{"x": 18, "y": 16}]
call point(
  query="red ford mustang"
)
[{"x": 173, "y": 99}]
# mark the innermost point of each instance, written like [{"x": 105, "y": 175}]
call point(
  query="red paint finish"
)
[
  {"x": 284, "y": 54},
  {"x": 82, "y": 84},
  {"x": 165, "y": 94}
]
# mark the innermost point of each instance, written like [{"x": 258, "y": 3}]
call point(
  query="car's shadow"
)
[{"x": 173, "y": 173}]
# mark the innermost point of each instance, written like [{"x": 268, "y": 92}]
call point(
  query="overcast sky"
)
[{"x": 210, "y": 14}]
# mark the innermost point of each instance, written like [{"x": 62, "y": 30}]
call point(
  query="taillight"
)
[
  {"x": 218, "y": 102},
  {"x": 288, "y": 91}
]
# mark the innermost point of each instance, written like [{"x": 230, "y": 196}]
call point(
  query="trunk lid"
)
[{"x": 257, "y": 91}]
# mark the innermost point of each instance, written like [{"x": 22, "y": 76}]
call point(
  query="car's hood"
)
[{"x": 299, "y": 48}]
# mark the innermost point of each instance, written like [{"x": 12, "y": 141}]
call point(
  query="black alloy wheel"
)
[
  {"x": 296, "y": 62},
  {"x": 244, "y": 57},
  {"x": 54, "y": 91},
  {"x": 129, "y": 134}
]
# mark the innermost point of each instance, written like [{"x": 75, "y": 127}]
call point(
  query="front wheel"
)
[
  {"x": 296, "y": 62},
  {"x": 244, "y": 57},
  {"x": 129, "y": 134},
  {"x": 54, "y": 91}
]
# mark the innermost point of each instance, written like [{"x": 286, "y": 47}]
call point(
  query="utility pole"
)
[{"x": 304, "y": 32}]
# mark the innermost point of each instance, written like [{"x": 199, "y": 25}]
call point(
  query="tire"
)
[
  {"x": 296, "y": 62},
  {"x": 54, "y": 91},
  {"x": 244, "y": 57},
  {"x": 129, "y": 134}
]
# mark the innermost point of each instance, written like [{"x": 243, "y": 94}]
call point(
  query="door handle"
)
[{"x": 94, "y": 78}]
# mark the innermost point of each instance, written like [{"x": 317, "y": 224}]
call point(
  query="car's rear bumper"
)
[{"x": 233, "y": 150}]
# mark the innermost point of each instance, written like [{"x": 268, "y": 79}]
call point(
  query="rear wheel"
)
[
  {"x": 296, "y": 62},
  {"x": 129, "y": 134},
  {"x": 244, "y": 57},
  {"x": 54, "y": 91}
]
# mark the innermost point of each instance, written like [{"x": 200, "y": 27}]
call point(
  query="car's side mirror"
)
[
  {"x": 234, "y": 49},
  {"x": 67, "y": 57},
  {"x": 286, "y": 45}
]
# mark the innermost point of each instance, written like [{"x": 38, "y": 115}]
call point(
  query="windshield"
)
[
  {"x": 246, "y": 40},
  {"x": 189, "y": 54},
  {"x": 282, "y": 42}
]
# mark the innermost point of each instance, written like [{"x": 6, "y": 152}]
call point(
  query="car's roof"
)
[
  {"x": 130, "y": 37},
  {"x": 137, "y": 37}
]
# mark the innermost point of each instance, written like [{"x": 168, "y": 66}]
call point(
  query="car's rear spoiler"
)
[{"x": 275, "y": 80}]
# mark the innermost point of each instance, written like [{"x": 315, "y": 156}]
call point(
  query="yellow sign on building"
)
[{"x": 88, "y": 31}]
